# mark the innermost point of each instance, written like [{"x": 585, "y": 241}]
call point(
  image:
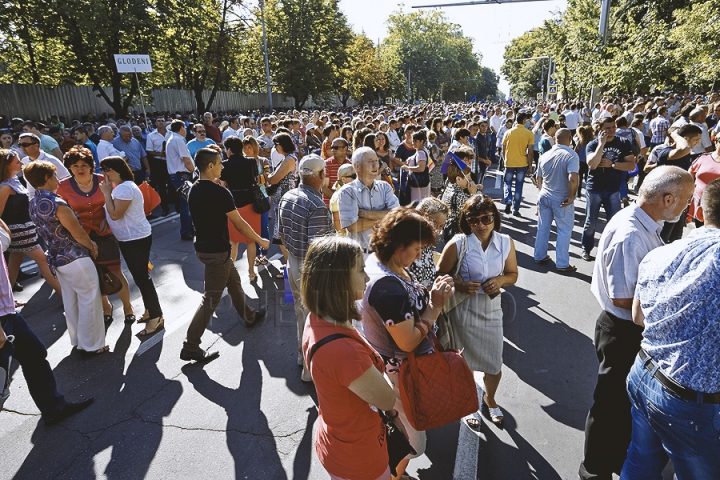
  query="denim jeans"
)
[
  {"x": 549, "y": 210},
  {"x": 186, "y": 226},
  {"x": 30, "y": 352},
  {"x": 610, "y": 201},
  {"x": 519, "y": 174},
  {"x": 666, "y": 426},
  {"x": 137, "y": 255}
]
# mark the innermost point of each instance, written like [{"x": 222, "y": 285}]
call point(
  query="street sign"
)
[
  {"x": 539, "y": 96},
  {"x": 539, "y": 84},
  {"x": 552, "y": 76},
  {"x": 133, "y": 63},
  {"x": 388, "y": 101},
  {"x": 553, "y": 82},
  {"x": 552, "y": 90}
]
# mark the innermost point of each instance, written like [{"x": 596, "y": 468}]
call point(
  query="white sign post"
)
[{"x": 135, "y": 63}]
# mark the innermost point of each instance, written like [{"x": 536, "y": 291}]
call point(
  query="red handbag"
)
[{"x": 437, "y": 388}]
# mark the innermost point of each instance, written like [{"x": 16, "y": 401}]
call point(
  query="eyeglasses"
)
[
  {"x": 25, "y": 145},
  {"x": 484, "y": 219},
  {"x": 337, "y": 147},
  {"x": 353, "y": 176},
  {"x": 105, "y": 169},
  {"x": 199, "y": 131}
]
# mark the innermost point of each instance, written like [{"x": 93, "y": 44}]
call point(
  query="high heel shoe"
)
[
  {"x": 153, "y": 325},
  {"x": 108, "y": 319}
]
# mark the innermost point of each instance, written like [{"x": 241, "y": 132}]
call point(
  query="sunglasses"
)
[
  {"x": 484, "y": 219},
  {"x": 353, "y": 176},
  {"x": 25, "y": 145},
  {"x": 105, "y": 169},
  {"x": 337, "y": 147}
]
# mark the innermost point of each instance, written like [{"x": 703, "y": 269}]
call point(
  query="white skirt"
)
[{"x": 478, "y": 328}]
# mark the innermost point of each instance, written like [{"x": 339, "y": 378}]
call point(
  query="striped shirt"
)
[{"x": 303, "y": 217}]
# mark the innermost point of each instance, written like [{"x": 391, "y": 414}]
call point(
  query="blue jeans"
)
[
  {"x": 519, "y": 174},
  {"x": 30, "y": 352},
  {"x": 666, "y": 426},
  {"x": 186, "y": 226},
  {"x": 549, "y": 210},
  {"x": 610, "y": 201}
]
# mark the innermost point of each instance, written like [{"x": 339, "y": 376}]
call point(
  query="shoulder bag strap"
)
[
  {"x": 328, "y": 339},
  {"x": 462, "y": 250}
]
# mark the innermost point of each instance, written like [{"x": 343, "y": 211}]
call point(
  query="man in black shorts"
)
[{"x": 210, "y": 207}]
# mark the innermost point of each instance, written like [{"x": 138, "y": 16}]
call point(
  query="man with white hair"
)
[
  {"x": 628, "y": 237},
  {"x": 697, "y": 117},
  {"x": 105, "y": 148},
  {"x": 303, "y": 217},
  {"x": 135, "y": 155},
  {"x": 366, "y": 200}
]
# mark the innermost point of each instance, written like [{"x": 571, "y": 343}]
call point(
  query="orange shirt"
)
[
  {"x": 350, "y": 439},
  {"x": 88, "y": 206},
  {"x": 326, "y": 152}
]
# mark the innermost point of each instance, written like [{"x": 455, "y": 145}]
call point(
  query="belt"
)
[{"x": 673, "y": 386}]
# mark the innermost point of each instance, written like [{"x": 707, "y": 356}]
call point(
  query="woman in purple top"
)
[{"x": 69, "y": 252}]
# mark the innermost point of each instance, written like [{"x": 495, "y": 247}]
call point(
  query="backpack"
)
[{"x": 630, "y": 134}]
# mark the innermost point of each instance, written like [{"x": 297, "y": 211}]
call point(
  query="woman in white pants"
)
[{"x": 69, "y": 251}]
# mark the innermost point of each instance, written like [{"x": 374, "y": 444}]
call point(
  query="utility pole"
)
[
  {"x": 267, "y": 61},
  {"x": 409, "y": 94}
]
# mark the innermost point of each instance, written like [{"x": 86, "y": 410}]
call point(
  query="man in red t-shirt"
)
[
  {"x": 339, "y": 149},
  {"x": 213, "y": 132}
]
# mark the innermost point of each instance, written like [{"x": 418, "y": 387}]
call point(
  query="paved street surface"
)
[{"x": 247, "y": 415}]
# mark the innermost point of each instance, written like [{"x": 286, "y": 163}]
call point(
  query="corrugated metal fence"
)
[{"x": 40, "y": 102}]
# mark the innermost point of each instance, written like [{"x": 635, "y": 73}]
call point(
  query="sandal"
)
[
  {"x": 152, "y": 329},
  {"x": 145, "y": 317},
  {"x": 109, "y": 318},
  {"x": 495, "y": 415},
  {"x": 130, "y": 318},
  {"x": 473, "y": 423},
  {"x": 252, "y": 278},
  {"x": 86, "y": 354}
]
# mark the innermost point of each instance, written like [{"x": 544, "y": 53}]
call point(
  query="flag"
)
[{"x": 451, "y": 157}]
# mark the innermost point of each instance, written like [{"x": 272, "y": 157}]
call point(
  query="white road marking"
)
[{"x": 466, "y": 455}]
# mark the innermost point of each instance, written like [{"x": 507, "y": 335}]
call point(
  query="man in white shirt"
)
[
  {"x": 155, "y": 149},
  {"x": 697, "y": 117},
  {"x": 392, "y": 135},
  {"x": 572, "y": 118},
  {"x": 30, "y": 145},
  {"x": 180, "y": 168},
  {"x": 105, "y": 148},
  {"x": 496, "y": 121},
  {"x": 266, "y": 139},
  {"x": 233, "y": 129}
]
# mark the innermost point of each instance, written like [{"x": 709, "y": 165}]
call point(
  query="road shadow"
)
[
  {"x": 519, "y": 462},
  {"x": 532, "y": 350}
]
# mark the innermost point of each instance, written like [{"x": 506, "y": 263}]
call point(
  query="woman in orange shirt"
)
[
  {"x": 347, "y": 372},
  {"x": 81, "y": 191}
]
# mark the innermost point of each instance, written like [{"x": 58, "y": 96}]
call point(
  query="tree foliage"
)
[
  {"x": 662, "y": 45},
  {"x": 436, "y": 56},
  {"x": 212, "y": 45}
]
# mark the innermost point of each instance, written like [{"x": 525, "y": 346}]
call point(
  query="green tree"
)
[
  {"x": 363, "y": 77},
  {"x": 307, "y": 44},
  {"x": 697, "y": 37},
  {"x": 433, "y": 52}
]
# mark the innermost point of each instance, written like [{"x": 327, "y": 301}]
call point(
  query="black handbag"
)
[
  {"x": 260, "y": 201},
  {"x": 397, "y": 443},
  {"x": 5, "y": 371},
  {"x": 422, "y": 179}
]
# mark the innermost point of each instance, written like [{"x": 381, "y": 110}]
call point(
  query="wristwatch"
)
[{"x": 613, "y": 165}]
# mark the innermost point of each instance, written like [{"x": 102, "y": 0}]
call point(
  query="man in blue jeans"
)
[
  {"x": 608, "y": 157},
  {"x": 674, "y": 385},
  {"x": 180, "y": 167},
  {"x": 557, "y": 178}
]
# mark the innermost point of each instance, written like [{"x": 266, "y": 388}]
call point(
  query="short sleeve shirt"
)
[
  {"x": 175, "y": 150},
  {"x": 608, "y": 179},
  {"x": 209, "y": 204},
  {"x": 132, "y": 225}
]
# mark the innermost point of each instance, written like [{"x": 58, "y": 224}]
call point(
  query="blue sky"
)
[{"x": 491, "y": 26}]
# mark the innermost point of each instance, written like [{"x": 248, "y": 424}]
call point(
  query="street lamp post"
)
[{"x": 267, "y": 62}]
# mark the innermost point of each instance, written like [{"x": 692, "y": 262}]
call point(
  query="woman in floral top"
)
[
  {"x": 458, "y": 189},
  {"x": 284, "y": 178},
  {"x": 69, "y": 251}
]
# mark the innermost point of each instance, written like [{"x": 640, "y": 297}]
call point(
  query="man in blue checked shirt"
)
[{"x": 674, "y": 385}]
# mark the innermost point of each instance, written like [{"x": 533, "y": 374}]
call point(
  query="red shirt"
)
[
  {"x": 331, "y": 172},
  {"x": 213, "y": 132},
  {"x": 88, "y": 206},
  {"x": 350, "y": 439}
]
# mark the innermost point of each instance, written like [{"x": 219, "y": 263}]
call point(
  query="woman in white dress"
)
[{"x": 482, "y": 261}]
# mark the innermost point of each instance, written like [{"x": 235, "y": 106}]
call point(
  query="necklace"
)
[{"x": 83, "y": 185}]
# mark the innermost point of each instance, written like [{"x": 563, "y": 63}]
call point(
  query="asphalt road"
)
[{"x": 247, "y": 415}]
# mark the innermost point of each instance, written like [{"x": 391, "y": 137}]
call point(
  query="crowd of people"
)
[{"x": 387, "y": 236}]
